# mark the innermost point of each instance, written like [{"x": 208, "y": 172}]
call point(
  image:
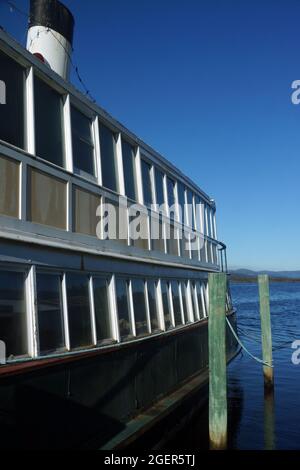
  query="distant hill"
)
[{"x": 274, "y": 274}]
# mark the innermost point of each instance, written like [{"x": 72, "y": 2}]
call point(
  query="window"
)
[
  {"x": 195, "y": 301},
  {"x": 205, "y": 220},
  {"x": 125, "y": 327},
  {"x": 166, "y": 304},
  {"x": 47, "y": 200},
  {"x": 190, "y": 209},
  {"x": 82, "y": 143},
  {"x": 151, "y": 287},
  {"x": 202, "y": 249},
  {"x": 157, "y": 235},
  {"x": 198, "y": 208},
  {"x": 213, "y": 218},
  {"x": 108, "y": 158},
  {"x": 138, "y": 228},
  {"x": 79, "y": 310},
  {"x": 210, "y": 227},
  {"x": 129, "y": 170},
  {"x": 159, "y": 185},
  {"x": 200, "y": 300},
  {"x": 9, "y": 187},
  {"x": 185, "y": 303},
  {"x": 176, "y": 303},
  {"x": 139, "y": 305},
  {"x": 194, "y": 244},
  {"x": 172, "y": 240},
  {"x": 102, "y": 316},
  {"x": 48, "y": 123},
  {"x": 12, "y": 112},
  {"x": 171, "y": 196},
  {"x": 13, "y": 322},
  {"x": 85, "y": 207},
  {"x": 181, "y": 202},
  {"x": 146, "y": 178},
  {"x": 204, "y": 286},
  {"x": 185, "y": 245},
  {"x": 189, "y": 301},
  {"x": 50, "y": 312},
  {"x": 115, "y": 221}
]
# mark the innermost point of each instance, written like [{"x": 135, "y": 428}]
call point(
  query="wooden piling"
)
[
  {"x": 266, "y": 333},
  {"x": 217, "y": 361}
]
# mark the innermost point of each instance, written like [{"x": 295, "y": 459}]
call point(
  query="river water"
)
[{"x": 256, "y": 422}]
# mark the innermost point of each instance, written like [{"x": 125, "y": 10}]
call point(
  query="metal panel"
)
[{"x": 9, "y": 187}]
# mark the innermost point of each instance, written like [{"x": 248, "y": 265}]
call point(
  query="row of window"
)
[
  {"x": 97, "y": 152},
  {"x": 69, "y": 311},
  {"x": 47, "y": 203}
]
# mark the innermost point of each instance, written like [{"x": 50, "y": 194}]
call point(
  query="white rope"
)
[{"x": 261, "y": 361}]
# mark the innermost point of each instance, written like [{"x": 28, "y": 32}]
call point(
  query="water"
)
[{"x": 256, "y": 423}]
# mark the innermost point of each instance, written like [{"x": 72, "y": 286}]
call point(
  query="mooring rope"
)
[{"x": 261, "y": 361}]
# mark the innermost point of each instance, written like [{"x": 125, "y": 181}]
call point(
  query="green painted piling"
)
[
  {"x": 217, "y": 361},
  {"x": 266, "y": 333}
]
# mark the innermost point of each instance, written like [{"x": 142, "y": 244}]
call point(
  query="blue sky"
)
[{"x": 207, "y": 84}]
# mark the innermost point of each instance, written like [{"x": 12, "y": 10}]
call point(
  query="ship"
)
[{"x": 105, "y": 253}]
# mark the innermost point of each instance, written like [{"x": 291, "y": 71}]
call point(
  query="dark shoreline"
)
[{"x": 253, "y": 279}]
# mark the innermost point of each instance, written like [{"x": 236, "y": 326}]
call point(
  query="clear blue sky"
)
[{"x": 207, "y": 84}]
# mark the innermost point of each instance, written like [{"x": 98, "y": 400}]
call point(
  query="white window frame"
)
[
  {"x": 92, "y": 310},
  {"x": 170, "y": 301},
  {"x": 147, "y": 306},
  {"x": 91, "y": 116},
  {"x": 65, "y": 311},
  {"x": 195, "y": 297},
  {"x": 30, "y": 114},
  {"x": 180, "y": 303},
  {"x": 184, "y": 321},
  {"x": 187, "y": 287},
  {"x": 130, "y": 306},
  {"x": 31, "y": 310},
  {"x": 114, "y": 317},
  {"x": 160, "y": 307}
]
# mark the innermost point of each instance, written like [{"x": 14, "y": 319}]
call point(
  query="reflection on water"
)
[{"x": 256, "y": 421}]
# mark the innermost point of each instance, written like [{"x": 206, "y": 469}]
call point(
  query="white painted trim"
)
[
  {"x": 65, "y": 311},
  {"x": 31, "y": 308},
  {"x": 23, "y": 188},
  {"x": 147, "y": 306},
  {"x": 160, "y": 307},
  {"x": 138, "y": 177},
  {"x": 69, "y": 206},
  {"x": 68, "y": 134},
  {"x": 92, "y": 310},
  {"x": 119, "y": 165},
  {"x": 153, "y": 185},
  {"x": 170, "y": 300},
  {"x": 130, "y": 305},
  {"x": 30, "y": 114},
  {"x": 97, "y": 151},
  {"x": 113, "y": 310},
  {"x": 187, "y": 286},
  {"x": 195, "y": 297},
  {"x": 181, "y": 302}
]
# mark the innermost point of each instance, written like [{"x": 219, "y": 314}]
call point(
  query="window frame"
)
[
  {"x": 30, "y": 311},
  {"x": 60, "y": 274},
  {"x": 98, "y": 123},
  {"x": 92, "y": 117},
  {"x": 108, "y": 281},
  {"x": 62, "y": 94},
  {"x": 132, "y": 279}
]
